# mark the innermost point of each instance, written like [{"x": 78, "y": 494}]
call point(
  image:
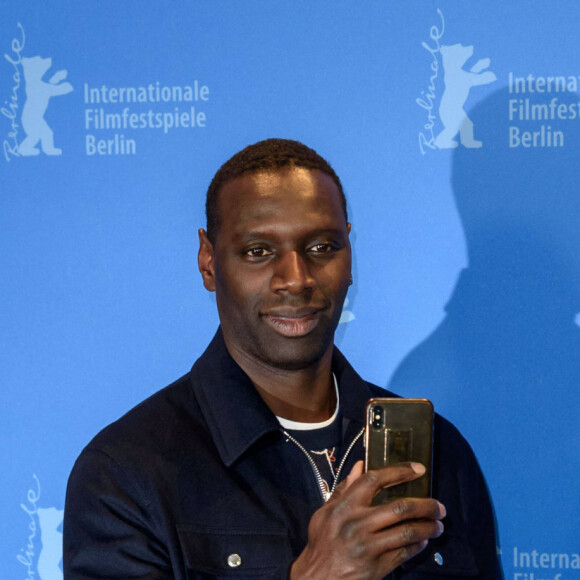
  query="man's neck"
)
[{"x": 305, "y": 395}]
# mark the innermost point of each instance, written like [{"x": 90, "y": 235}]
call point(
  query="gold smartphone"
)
[{"x": 399, "y": 430}]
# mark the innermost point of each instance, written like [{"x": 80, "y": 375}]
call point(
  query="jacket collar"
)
[{"x": 236, "y": 415}]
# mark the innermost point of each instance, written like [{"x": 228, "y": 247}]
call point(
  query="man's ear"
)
[{"x": 205, "y": 261}]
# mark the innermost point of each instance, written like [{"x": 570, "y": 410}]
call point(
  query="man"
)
[{"x": 221, "y": 474}]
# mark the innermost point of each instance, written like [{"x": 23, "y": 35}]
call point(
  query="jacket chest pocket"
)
[{"x": 235, "y": 553}]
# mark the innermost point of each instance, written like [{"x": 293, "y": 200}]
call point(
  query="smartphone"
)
[{"x": 399, "y": 430}]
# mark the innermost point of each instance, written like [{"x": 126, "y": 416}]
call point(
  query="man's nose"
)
[{"x": 292, "y": 273}]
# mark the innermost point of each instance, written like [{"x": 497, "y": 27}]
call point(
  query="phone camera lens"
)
[{"x": 377, "y": 417}]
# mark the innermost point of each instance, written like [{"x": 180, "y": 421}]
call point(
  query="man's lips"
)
[{"x": 293, "y": 323}]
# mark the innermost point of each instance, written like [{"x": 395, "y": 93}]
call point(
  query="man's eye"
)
[
  {"x": 322, "y": 248},
  {"x": 257, "y": 252}
]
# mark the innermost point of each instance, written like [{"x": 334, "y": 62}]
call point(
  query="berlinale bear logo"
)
[
  {"x": 458, "y": 83},
  {"x": 48, "y": 521},
  {"x": 38, "y": 95}
]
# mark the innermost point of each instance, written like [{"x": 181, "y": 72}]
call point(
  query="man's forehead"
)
[
  {"x": 298, "y": 184},
  {"x": 284, "y": 202}
]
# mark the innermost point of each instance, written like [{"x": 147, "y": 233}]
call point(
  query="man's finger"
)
[
  {"x": 391, "y": 560},
  {"x": 355, "y": 473},
  {"x": 408, "y": 511},
  {"x": 366, "y": 486}
]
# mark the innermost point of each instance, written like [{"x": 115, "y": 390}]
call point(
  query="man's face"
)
[{"x": 280, "y": 266}]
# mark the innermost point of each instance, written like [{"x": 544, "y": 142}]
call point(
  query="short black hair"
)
[{"x": 269, "y": 154}]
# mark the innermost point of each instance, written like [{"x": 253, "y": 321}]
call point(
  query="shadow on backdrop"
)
[{"x": 504, "y": 365}]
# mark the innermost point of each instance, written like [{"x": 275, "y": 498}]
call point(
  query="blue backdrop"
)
[{"x": 455, "y": 129}]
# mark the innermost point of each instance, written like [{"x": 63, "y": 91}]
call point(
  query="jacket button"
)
[
  {"x": 438, "y": 558},
  {"x": 234, "y": 560}
]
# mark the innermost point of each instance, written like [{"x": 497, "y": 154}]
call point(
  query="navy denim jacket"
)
[{"x": 198, "y": 482}]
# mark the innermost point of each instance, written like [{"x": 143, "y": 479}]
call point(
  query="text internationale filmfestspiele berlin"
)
[
  {"x": 539, "y": 107},
  {"x": 114, "y": 116}
]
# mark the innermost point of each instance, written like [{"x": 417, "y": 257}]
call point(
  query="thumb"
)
[{"x": 355, "y": 473}]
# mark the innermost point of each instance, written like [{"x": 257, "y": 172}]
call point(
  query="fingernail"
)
[
  {"x": 442, "y": 509},
  {"x": 418, "y": 468}
]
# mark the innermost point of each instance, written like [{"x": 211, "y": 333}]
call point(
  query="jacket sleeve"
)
[
  {"x": 473, "y": 511},
  {"x": 480, "y": 515},
  {"x": 108, "y": 529}
]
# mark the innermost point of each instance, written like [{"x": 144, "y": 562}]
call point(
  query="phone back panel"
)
[{"x": 400, "y": 430}]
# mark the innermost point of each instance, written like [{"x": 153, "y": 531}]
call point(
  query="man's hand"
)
[{"x": 349, "y": 538}]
